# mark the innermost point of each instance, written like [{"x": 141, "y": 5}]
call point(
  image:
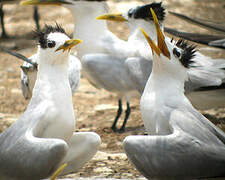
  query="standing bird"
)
[
  {"x": 103, "y": 61},
  {"x": 205, "y": 83},
  {"x": 184, "y": 144},
  {"x": 43, "y": 137},
  {"x": 36, "y": 17}
]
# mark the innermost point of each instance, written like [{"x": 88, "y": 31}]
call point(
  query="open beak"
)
[
  {"x": 69, "y": 44},
  {"x": 152, "y": 44},
  {"x": 160, "y": 37},
  {"x": 44, "y": 2},
  {"x": 112, "y": 17}
]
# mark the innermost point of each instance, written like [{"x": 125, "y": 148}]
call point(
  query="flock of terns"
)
[{"x": 171, "y": 77}]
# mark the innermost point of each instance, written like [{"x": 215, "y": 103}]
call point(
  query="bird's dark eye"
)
[
  {"x": 130, "y": 12},
  {"x": 176, "y": 53},
  {"x": 51, "y": 44}
]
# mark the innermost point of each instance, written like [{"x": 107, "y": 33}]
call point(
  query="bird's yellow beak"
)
[
  {"x": 160, "y": 37},
  {"x": 44, "y": 2},
  {"x": 161, "y": 48},
  {"x": 112, "y": 17},
  {"x": 152, "y": 44},
  {"x": 69, "y": 44}
]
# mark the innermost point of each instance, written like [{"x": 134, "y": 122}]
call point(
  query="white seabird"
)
[
  {"x": 103, "y": 61},
  {"x": 205, "y": 84},
  {"x": 29, "y": 75},
  {"x": 30, "y": 67},
  {"x": 43, "y": 137},
  {"x": 183, "y": 144}
]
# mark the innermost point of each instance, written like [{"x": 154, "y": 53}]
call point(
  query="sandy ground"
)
[{"x": 95, "y": 109}]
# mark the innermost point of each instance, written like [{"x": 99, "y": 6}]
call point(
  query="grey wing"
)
[
  {"x": 218, "y": 43},
  {"x": 74, "y": 71},
  {"x": 25, "y": 85},
  {"x": 205, "y": 72},
  {"x": 219, "y": 27},
  {"x": 192, "y": 150},
  {"x": 106, "y": 71},
  {"x": 24, "y": 156},
  {"x": 28, "y": 77},
  {"x": 207, "y": 39},
  {"x": 205, "y": 126},
  {"x": 139, "y": 70}
]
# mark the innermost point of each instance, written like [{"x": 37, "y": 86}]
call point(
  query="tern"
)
[
  {"x": 207, "y": 39},
  {"x": 35, "y": 16},
  {"x": 43, "y": 138},
  {"x": 103, "y": 61},
  {"x": 30, "y": 67},
  {"x": 205, "y": 84},
  {"x": 183, "y": 144}
]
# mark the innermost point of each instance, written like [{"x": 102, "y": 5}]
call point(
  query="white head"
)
[
  {"x": 138, "y": 16},
  {"x": 170, "y": 57},
  {"x": 53, "y": 43}
]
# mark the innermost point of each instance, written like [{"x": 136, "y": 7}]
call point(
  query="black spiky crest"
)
[
  {"x": 43, "y": 34},
  {"x": 143, "y": 12},
  {"x": 188, "y": 53}
]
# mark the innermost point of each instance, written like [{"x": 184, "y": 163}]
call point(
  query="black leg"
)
[
  {"x": 122, "y": 129},
  {"x": 36, "y": 17},
  {"x": 119, "y": 112},
  {"x": 4, "y": 35}
]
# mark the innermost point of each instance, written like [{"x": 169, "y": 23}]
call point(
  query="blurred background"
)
[{"x": 99, "y": 113}]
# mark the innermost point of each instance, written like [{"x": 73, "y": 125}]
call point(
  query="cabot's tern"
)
[
  {"x": 183, "y": 144},
  {"x": 103, "y": 61},
  {"x": 43, "y": 138},
  {"x": 207, "y": 39},
  {"x": 205, "y": 84},
  {"x": 35, "y": 16},
  {"x": 29, "y": 72}
]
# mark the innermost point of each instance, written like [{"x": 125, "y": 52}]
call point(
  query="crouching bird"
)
[
  {"x": 43, "y": 137},
  {"x": 183, "y": 144}
]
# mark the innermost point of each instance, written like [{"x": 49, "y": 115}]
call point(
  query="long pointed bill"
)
[
  {"x": 69, "y": 44},
  {"x": 160, "y": 37},
  {"x": 112, "y": 17},
  {"x": 153, "y": 46},
  {"x": 44, "y": 2}
]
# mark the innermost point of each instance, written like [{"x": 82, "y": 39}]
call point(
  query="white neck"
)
[
  {"x": 163, "y": 92},
  {"x": 87, "y": 27},
  {"x": 52, "y": 80},
  {"x": 136, "y": 36},
  {"x": 166, "y": 79}
]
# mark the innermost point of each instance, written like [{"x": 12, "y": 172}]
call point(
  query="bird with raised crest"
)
[
  {"x": 30, "y": 67},
  {"x": 103, "y": 61},
  {"x": 182, "y": 143},
  {"x": 205, "y": 85},
  {"x": 43, "y": 138}
]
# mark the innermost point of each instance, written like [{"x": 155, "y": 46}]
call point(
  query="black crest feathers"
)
[
  {"x": 188, "y": 53},
  {"x": 42, "y": 34},
  {"x": 143, "y": 12}
]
